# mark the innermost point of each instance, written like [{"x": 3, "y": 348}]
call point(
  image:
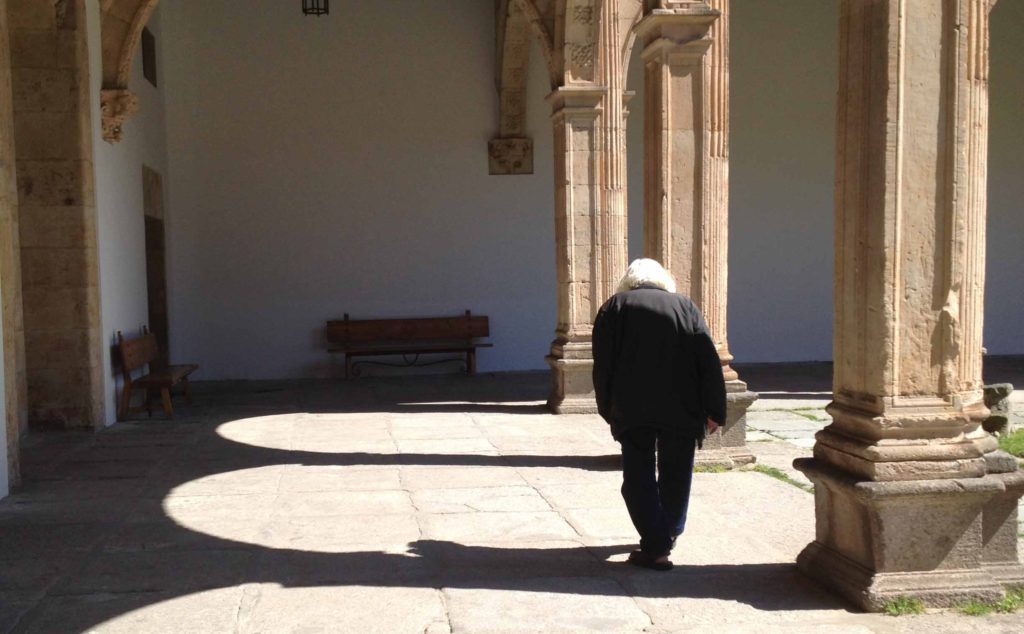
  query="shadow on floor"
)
[{"x": 78, "y": 547}]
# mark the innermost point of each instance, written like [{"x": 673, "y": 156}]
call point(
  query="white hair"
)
[{"x": 647, "y": 272}]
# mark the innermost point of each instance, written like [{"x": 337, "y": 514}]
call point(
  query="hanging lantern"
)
[{"x": 316, "y": 7}]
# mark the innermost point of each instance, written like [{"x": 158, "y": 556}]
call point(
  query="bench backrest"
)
[
  {"x": 467, "y": 326},
  {"x": 137, "y": 353}
]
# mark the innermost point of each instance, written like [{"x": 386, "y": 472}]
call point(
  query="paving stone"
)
[
  {"x": 340, "y": 503},
  {"x": 302, "y": 478},
  {"x": 197, "y": 509},
  {"x": 38, "y": 540},
  {"x": 443, "y": 477},
  {"x": 257, "y": 481},
  {"x": 12, "y": 607},
  {"x": 33, "y": 575},
  {"x": 174, "y": 571},
  {"x": 220, "y": 534},
  {"x": 582, "y": 496},
  {"x": 475, "y": 528},
  {"x": 372, "y": 565},
  {"x": 204, "y": 612},
  {"x": 546, "y": 605},
  {"x": 485, "y": 499},
  {"x": 339, "y": 534},
  {"x": 603, "y": 523},
  {"x": 475, "y": 446},
  {"x": 349, "y": 609}
]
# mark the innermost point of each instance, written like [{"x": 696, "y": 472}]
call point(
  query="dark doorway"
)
[{"x": 156, "y": 269}]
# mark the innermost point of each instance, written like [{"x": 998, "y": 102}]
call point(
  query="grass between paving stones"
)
[
  {"x": 1013, "y": 443},
  {"x": 903, "y": 606},
  {"x": 710, "y": 468},
  {"x": 779, "y": 474},
  {"x": 1013, "y": 601}
]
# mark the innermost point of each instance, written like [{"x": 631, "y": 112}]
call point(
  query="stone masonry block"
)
[
  {"x": 31, "y": 14},
  {"x": 48, "y": 135},
  {"x": 57, "y": 227},
  {"x": 53, "y": 183},
  {"x": 44, "y": 90}
]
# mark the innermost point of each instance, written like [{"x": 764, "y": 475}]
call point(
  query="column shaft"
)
[
  {"x": 16, "y": 416},
  {"x": 686, "y": 180},
  {"x": 57, "y": 213},
  {"x": 590, "y": 204},
  {"x": 901, "y": 479}
]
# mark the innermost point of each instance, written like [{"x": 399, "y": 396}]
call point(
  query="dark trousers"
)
[{"x": 657, "y": 502}]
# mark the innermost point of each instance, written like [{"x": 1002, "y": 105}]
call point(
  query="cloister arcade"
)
[{"x": 912, "y": 497}]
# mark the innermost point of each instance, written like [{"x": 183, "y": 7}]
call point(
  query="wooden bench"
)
[
  {"x": 138, "y": 353},
  {"x": 433, "y": 335}
]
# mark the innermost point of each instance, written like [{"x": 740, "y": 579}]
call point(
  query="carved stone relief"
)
[{"x": 510, "y": 156}]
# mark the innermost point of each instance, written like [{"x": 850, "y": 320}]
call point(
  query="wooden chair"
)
[{"x": 141, "y": 352}]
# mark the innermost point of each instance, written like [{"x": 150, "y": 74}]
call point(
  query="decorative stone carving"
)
[
  {"x": 510, "y": 156},
  {"x": 116, "y": 106}
]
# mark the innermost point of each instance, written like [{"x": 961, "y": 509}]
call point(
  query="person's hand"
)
[{"x": 712, "y": 426}]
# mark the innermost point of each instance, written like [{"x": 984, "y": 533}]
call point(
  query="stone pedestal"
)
[
  {"x": 727, "y": 447},
  {"x": 999, "y": 521},
  {"x": 572, "y": 384},
  {"x": 911, "y": 499},
  {"x": 879, "y": 541}
]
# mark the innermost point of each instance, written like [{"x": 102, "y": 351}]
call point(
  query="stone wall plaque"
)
[{"x": 510, "y": 156}]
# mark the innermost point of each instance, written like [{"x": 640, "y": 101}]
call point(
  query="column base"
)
[
  {"x": 871, "y": 591},
  {"x": 1000, "y": 557},
  {"x": 727, "y": 447},
  {"x": 920, "y": 539},
  {"x": 572, "y": 380}
]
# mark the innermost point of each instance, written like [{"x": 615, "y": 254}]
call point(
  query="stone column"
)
[
  {"x": 686, "y": 186},
  {"x": 577, "y": 240},
  {"x": 905, "y": 499},
  {"x": 590, "y": 200},
  {"x": 10, "y": 266},
  {"x": 57, "y": 212}
]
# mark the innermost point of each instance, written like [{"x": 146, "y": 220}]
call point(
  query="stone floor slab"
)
[
  {"x": 572, "y": 604},
  {"x": 485, "y": 499},
  {"x": 368, "y": 609},
  {"x": 204, "y": 612},
  {"x": 475, "y": 528}
]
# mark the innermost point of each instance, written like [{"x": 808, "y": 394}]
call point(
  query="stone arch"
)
[
  {"x": 630, "y": 20},
  {"x": 121, "y": 28},
  {"x": 511, "y": 152}
]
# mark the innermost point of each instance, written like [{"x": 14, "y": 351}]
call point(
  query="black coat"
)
[{"x": 655, "y": 365}]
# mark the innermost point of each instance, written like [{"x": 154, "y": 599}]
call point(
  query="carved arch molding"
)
[
  {"x": 565, "y": 30},
  {"x": 120, "y": 29}
]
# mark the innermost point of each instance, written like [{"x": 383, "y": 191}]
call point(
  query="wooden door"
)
[{"x": 156, "y": 269}]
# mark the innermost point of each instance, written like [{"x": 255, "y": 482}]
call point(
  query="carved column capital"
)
[{"x": 116, "y": 105}]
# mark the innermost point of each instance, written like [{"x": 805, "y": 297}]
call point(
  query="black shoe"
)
[{"x": 645, "y": 560}]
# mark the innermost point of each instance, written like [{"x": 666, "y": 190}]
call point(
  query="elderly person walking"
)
[{"x": 659, "y": 384}]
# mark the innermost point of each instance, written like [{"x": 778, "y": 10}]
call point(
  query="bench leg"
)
[
  {"x": 165, "y": 397},
  {"x": 126, "y": 400},
  {"x": 471, "y": 362}
]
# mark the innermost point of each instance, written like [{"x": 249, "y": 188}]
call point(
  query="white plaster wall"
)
[
  {"x": 327, "y": 165},
  {"x": 1004, "y": 295},
  {"x": 782, "y": 156},
  {"x": 119, "y": 200}
]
